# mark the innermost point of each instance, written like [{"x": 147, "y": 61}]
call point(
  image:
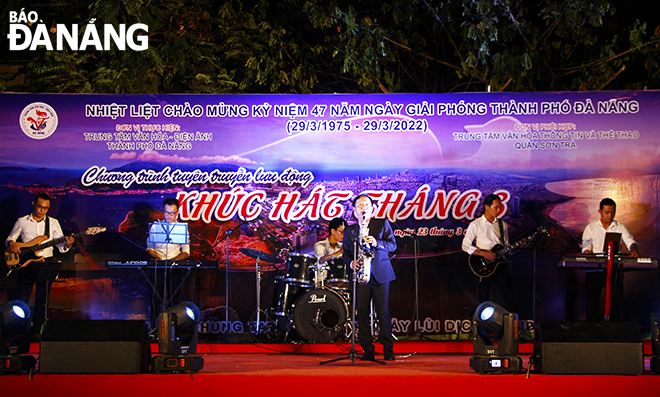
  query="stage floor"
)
[{"x": 295, "y": 370}]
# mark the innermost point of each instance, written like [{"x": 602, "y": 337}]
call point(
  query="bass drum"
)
[{"x": 319, "y": 315}]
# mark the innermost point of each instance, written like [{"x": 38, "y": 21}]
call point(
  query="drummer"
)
[{"x": 331, "y": 247}]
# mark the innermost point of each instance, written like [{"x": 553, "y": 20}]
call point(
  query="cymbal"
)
[{"x": 264, "y": 257}]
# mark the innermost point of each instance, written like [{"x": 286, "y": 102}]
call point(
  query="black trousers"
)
[
  {"x": 380, "y": 294},
  {"x": 502, "y": 279},
  {"x": 593, "y": 286}
]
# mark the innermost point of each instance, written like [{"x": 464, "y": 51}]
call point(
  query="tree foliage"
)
[{"x": 314, "y": 46}]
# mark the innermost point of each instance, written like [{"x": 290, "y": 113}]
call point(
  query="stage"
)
[{"x": 421, "y": 367}]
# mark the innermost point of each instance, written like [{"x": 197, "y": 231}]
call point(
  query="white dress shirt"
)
[
  {"x": 323, "y": 248},
  {"x": 483, "y": 235},
  {"x": 28, "y": 229},
  {"x": 593, "y": 237}
]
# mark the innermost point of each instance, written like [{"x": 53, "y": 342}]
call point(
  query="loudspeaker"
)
[
  {"x": 567, "y": 347},
  {"x": 94, "y": 347}
]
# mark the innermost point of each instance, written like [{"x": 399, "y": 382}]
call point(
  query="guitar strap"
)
[
  {"x": 499, "y": 220},
  {"x": 47, "y": 227}
]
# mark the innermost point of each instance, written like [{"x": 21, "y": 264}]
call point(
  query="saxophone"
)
[{"x": 365, "y": 253}]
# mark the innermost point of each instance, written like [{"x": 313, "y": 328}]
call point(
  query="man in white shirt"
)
[
  {"x": 593, "y": 241},
  {"x": 479, "y": 238},
  {"x": 29, "y": 227},
  {"x": 169, "y": 252},
  {"x": 331, "y": 247}
]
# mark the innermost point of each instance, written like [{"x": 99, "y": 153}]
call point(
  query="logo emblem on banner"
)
[{"x": 38, "y": 120}]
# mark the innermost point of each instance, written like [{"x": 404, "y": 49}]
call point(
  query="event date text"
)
[{"x": 372, "y": 125}]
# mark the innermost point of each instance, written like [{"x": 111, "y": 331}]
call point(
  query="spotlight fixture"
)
[
  {"x": 15, "y": 338},
  {"x": 177, "y": 338},
  {"x": 495, "y": 340}
]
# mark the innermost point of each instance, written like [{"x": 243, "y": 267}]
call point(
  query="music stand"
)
[
  {"x": 227, "y": 233},
  {"x": 51, "y": 270},
  {"x": 615, "y": 238},
  {"x": 415, "y": 237},
  {"x": 166, "y": 233}
]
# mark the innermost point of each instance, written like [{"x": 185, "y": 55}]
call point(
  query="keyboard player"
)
[
  {"x": 162, "y": 252},
  {"x": 593, "y": 241},
  {"x": 168, "y": 251}
]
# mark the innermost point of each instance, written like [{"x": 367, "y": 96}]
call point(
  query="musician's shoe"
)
[
  {"x": 389, "y": 356},
  {"x": 368, "y": 356}
]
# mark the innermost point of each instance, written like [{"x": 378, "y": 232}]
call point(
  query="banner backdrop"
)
[{"x": 278, "y": 168}]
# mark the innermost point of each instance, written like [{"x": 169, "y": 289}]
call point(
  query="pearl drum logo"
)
[{"x": 38, "y": 120}]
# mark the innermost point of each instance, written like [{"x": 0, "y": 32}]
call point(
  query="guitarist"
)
[
  {"x": 28, "y": 228},
  {"x": 483, "y": 234}
]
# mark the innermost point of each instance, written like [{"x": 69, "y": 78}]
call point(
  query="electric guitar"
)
[
  {"x": 482, "y": 267},
  {"x": 30, "y": 249}
]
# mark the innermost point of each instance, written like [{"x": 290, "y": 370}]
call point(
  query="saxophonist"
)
[{"x": 375, "y": 239}]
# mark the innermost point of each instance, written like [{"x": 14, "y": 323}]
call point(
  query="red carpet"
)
[{"x": 278, "y": 371}]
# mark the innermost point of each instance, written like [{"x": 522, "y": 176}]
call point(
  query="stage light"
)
[
  {"x": 15, "y": 338},
  {"x": 490, "y": 317},
  {"x": 177, "y": 338},
  {"x": 177, "y": 329},
  {"x": 487, "y": 313},
  {"x": 495, "y": 340},
  {"x": 14, "y": 316}
]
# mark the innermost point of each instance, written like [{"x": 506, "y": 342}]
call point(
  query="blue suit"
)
[{"x": 378, "y": 287}]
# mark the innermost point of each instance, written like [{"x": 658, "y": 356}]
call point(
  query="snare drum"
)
[
  {"x": 299, "y": 270},
  {"x": 337, "y": 277},
  {"x": 284, "y": 297}
]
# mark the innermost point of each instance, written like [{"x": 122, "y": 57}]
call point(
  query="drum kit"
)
[{"x": 310, "y": 297}]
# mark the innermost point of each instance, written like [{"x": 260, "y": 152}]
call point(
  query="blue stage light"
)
[
  {"x": 191, "y": 313},
  {"x": 495, "y": 340},
  {"x": 14, "y": 328},
  {"x": 19, "y": 311},
  {"x": 14, "y": 316},
  {"x": 487, "y": 313},
  {"x": 177, "y": 329}
]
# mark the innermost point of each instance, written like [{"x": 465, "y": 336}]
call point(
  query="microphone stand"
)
[
  {"x": 168, "y": 240},
  {"x": 226, "y": 236},
  {"x": 352, "y": 354},
  {"x": 416, "y": 238}
]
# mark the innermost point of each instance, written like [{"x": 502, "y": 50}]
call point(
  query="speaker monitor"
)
[
  {"x": 94, "y": 347},
  {"x": 601, "y": 347}
]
